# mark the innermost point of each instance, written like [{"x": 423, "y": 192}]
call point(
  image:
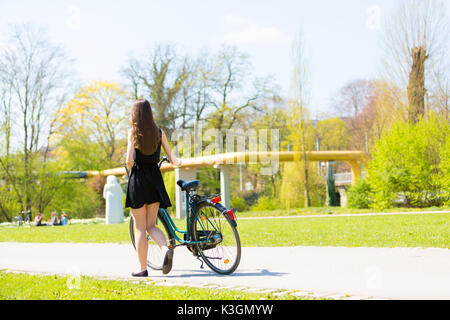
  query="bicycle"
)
[
  {"x": 22, "y": 218},
  {"x": 211, "y": 231}
]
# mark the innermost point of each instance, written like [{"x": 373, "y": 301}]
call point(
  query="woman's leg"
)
[
  {"x": 140, "y": 223},
  {"x": 158, "y": 236},
  {"x": 155, "y": 233}
]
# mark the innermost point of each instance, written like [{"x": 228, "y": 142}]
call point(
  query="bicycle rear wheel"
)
[
  {"x": 221, "y": 249},
  {"x": 155, "y": 257}
]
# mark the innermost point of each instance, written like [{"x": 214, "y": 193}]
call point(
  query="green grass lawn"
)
[
  {"x": 21, "y": 286},
  {"x": 418, "y": 230},
  {"x": 430, "y": 230},
  {"x": 330, "y": 211}
]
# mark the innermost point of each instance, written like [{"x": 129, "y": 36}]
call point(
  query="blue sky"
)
[{"x": 341, "y": 36}]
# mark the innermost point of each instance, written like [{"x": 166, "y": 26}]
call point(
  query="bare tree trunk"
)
[
  {"x": 301, "y": 95},
  {"x": 416, "y": 85},
  {"x": 5, "y": 126}
]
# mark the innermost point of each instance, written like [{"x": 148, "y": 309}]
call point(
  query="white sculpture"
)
[{"x": 113, "y": 195}]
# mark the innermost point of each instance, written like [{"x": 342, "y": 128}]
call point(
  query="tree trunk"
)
[
  {"x": 305, "y": 168},
  {"x": 416, "y": 85}
]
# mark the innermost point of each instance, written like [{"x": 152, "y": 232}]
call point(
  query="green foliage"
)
[
  {"x": 77, "y": 199},
  {"x": 209, "y": 180},
  {"x": 445, "y": 168},
  {"x": 8, "y": 203},
  {"x": 410, "y": 161},
  {"x": 333, "y": 134},
  {"x": 358, "y": 195},
  {"x": 265, "y": 203},
  {"x": 292, "y": 191},
  {"x": 250, "y": 197},
  {"x": 169, "y": 182},
  {"x": 80, "y": 154},
  {"x": 239, "y": 203},
  {"x": 33, "y": 184},
  {"x": 90, "y": 129}
]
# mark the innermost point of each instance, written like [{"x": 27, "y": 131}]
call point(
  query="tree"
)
[
  {"x": 196, "y": 93},
  {"x": 410, "y": 161},
  {"x": 273, "y": 117},
  {"x": 34, "y": 77},
  {"x": 414, "y": 45},
  {"x": 440, "y": 94},
  {"x": 292, "y": 193},
  {"x": 300, "y": 93},
  {"x": 6, "y": 118},
  {"x": 445, "y": 168},
  {"x": 97, "y": 116},
  {"x": 390, "y": 107},
  {"x": 416, "y": 85},
  {"x": 160, "y": 76},
  {"x": 233, "y": 91},
  {"x": 353, "y": 98},
  {"x": 354, "y": 104},
  {"x": 333, "y": 134}
]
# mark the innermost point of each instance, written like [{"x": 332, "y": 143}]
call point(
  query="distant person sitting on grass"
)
[
  {"x": 54, "y": 219},
  {"x": 38, "y": 220},
  {"x": 64, "y": 219}
]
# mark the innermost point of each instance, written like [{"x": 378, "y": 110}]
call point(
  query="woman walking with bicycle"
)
[{"x": 146, "y": 191}]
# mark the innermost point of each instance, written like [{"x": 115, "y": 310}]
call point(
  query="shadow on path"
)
[{"x": 209, "y": 273}]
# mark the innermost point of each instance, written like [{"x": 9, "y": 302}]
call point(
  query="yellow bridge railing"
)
[{"x": 353, "y": 158}]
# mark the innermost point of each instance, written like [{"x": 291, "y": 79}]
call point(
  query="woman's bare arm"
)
[
  {"x": 130, "y": 151},
  {"x": 174, "y": 160}
]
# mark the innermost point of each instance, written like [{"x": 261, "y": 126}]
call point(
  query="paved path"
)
[{"x": 397, "y": 273}]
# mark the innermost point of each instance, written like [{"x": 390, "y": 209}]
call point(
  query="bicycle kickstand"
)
[{"x": 201, "y": 266}]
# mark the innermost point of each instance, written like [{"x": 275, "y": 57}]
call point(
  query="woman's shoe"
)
[
  {"x": 140, "y": 274},
  {"x": 167, "y": 265}
]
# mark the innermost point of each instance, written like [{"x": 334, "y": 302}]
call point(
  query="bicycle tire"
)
[
  {"x": 210, "y": 254},
  {"x": 154, "y": 258}
]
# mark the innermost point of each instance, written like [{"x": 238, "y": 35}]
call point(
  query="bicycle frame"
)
[{"x": 173, "y": 228}]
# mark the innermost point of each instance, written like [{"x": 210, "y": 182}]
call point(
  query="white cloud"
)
[{"x": 253, "y": 34}]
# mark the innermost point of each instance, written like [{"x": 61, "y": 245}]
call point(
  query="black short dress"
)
[{"x": 146, "y": 184}]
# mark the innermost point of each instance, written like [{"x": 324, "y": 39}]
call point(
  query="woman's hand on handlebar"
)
[{"x": 173, "y": 160}]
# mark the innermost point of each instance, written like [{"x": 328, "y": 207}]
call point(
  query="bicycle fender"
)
[
  {"x": 224, "y": 211},
  {"x": 218, "y": 206}
]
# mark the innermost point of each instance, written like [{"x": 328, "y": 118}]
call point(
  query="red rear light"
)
[
  {"x": 216, "y": 199},
  {"x": 230, "y": 214}
]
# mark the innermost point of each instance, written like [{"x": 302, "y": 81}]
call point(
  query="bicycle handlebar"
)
[{"x": 163, "y": 159}]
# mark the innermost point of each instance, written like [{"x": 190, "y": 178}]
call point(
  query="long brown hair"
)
[{"x": 144, "y": 131}]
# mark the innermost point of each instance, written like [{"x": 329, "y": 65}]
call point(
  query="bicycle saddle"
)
[{"x": 187, "y": 186}]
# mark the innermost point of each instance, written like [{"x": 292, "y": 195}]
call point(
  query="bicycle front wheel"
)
[
  {"x": 221, "y": 245},
  {"x": 155, "y": 257}
]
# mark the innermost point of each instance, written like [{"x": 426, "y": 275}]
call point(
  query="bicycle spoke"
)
[{"x": 223, "y": 256}]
